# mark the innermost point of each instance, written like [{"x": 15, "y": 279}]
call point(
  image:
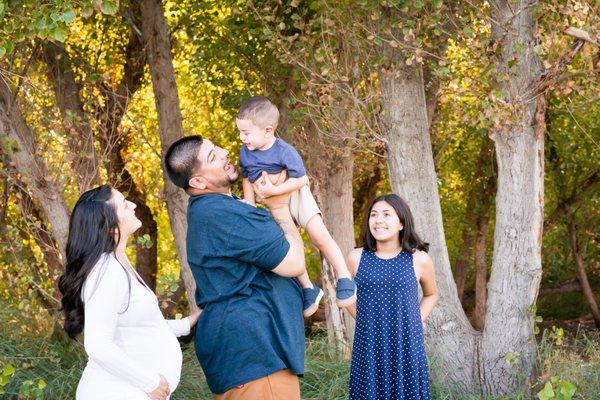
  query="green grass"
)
[{"x": 35, "y": 354}]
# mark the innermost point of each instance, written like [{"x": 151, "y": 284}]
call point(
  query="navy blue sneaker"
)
[
  {"x": 312, "y": 297},
  {"x": 345, "y": 292}
]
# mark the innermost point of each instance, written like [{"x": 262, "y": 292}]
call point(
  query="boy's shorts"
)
[{"x": 303, "y": 206}]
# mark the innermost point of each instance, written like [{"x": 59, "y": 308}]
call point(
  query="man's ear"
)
[{"x": 197, "y": 182}]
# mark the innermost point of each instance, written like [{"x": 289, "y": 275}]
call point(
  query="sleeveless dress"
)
[{"x": 388, "y": 355}]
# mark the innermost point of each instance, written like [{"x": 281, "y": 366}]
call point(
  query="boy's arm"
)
[
  {"x": 267, "y": 189},
  {"x": 248, "y": 192}
]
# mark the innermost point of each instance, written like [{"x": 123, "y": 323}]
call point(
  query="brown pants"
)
[{"x": 281, "y": 385}]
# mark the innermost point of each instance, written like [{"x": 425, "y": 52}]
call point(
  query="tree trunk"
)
[
  {"x": 508, "y": 344},
  {"x": 158, "y": 49},
  {"x": 337, "y": 210},
  {"x": 452, "y": 343},
  {"x": 31, "y": 167},
  {"x": 582, "y": 275},
  {"x": 332, "y": 188},
  {"x": 109, "y": 121},
  {"x": 480, "y": 271},
  {"x": 80, "y": 135},
  {"x": 480, "y": 195}
]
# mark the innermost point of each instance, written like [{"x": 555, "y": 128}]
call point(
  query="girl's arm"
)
[
  {"x": 352, "y": 261},
  {"x": 424, "y": 264},
  {"x": 248, "y": 192}
]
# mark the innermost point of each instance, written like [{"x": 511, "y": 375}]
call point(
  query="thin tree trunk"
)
[
  {"x": 158, "y": 49},
  {"x": 452, "y": 342},
  {"x": 582, "y": 275},
  {"x": 32, "y": 168},
  {"x": 483, "y": 223},
  {"x": 109, "y": 121},
  {"x": 480, "y": 194},
  {"x": 80, "y": 135},
  {"x": 333, "y": 191},
  {"x": 508, "y": 344},
  {"x": 338, "y": 216}
]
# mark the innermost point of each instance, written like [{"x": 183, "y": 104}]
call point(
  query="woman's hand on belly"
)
[{"x": 162, "y": 391}]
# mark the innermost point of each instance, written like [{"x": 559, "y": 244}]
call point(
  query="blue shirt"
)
[
  {"x": 273, "y": 160},
  {"x": 252, "y": 323}
]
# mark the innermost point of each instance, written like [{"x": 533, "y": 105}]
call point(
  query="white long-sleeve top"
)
[{"x": 126, "y": 338}]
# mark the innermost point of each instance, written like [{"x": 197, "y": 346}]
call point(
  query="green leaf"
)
[
  {"x": 59, "y": 33},
  {"x": 546, "y": 393},
  {"x": 8, "y": 370},
  {"x": 377, "y": 41},
  {"x": 41, "y": 384},
  {"x": 68, "y": 16},
  {"x": 567, "y": 389},
  {"x": 2, "y": 8},
  {"x": 109, "y": 7},
  {"x": 2, "y": 51}
]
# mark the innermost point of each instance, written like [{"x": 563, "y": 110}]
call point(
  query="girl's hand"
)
[
  {"x": 193, "y": 317},
  {"x": 162, "y": 391}
]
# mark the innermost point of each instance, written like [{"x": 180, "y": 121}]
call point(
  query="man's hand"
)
[
  {"x": 266, "y": 186},
  {"x": 162, "y": 391},
  {"x": 265, "y": 189}
]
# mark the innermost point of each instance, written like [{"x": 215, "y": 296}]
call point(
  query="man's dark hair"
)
[{"x": 181, "y": 160}]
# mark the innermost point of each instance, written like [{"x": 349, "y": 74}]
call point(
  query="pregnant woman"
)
[{"x": 132, "y": 350}]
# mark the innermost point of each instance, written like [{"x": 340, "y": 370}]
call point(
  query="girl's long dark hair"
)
[
  {"x": 92, "y": 229},
  {"x": 409, "y": 239}
]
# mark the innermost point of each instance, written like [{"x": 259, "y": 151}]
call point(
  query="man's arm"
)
[{"x": 292, "y": 264}]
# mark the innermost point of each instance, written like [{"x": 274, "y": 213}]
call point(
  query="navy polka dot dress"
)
[{"x": 388, "y": 355}]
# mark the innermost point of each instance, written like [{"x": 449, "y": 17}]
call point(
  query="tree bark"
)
[
  {"x": 31, "y": 166},
  {"x": 582, "y": 275},
  {"x": 80, "y": 135},
  {"x": 158, "y": 49},
  {"x": 451, "y": 341},
  {"x": 508, "y": 343}
]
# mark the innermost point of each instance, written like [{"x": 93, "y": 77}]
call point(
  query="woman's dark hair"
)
[
  {"x": 409, "y": 239},
  {"x": 92, "y": 229}
]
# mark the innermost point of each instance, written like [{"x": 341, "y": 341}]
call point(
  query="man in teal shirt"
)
[{"x": 250, "y": 336}]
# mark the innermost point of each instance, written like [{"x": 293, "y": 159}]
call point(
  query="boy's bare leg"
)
[
  {"x": 320, "y": 237},
  {"x": 304, "y": 281}
]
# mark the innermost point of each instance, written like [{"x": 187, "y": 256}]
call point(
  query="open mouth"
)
[{"x": 229, "y": 168}]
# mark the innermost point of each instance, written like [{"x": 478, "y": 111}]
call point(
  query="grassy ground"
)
[{"x": 25, "y": 344}]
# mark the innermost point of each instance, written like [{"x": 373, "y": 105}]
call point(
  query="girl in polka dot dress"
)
[{"x": 388, "y": 355}]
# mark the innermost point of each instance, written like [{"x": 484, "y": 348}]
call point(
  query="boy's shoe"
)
[
  {"x": 345, "y": 292},
  {"x": 312, "y": 297}
]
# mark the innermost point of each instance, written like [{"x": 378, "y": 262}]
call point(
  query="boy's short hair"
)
[
  {"x": 181, "y": 160},
  {"x": 260, "y": 111}
]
